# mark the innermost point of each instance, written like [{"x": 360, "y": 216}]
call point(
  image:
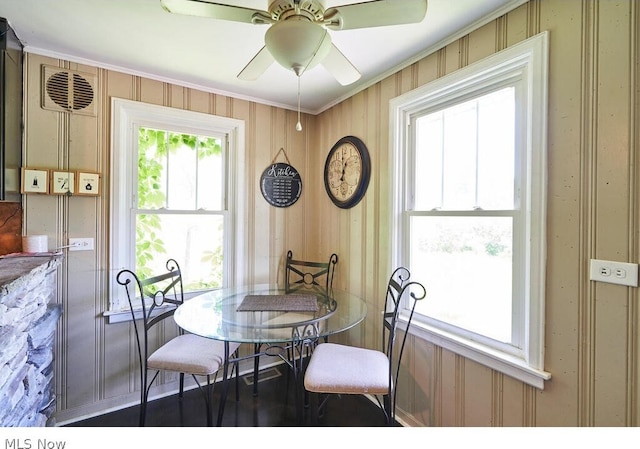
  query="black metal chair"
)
[
  {"x": 301, "y": 276},
  {"x": 307, "y": 276},
  {"x": 341, "y": 369},
  {"x": 151, "y": 302}
]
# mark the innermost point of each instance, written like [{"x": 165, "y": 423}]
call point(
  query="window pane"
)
[
  {"x": 182, "y": 172},
  {"x": 459, "y": 166},
  {"x": 465, "y": 155},
  {"x": 496, "y": 161},
  {"x": 428, "y": 176},
  {"x": 194, "y": 241},
  {"x": 210, "y": 175},
  {"x": 152, "y": 151},
  {"x": 466, "y": 262},
  {"x": 179, "y": 171}
]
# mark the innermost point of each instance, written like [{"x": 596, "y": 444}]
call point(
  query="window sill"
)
[
  {"x": 123, "y": 315},
  {"x": 507, "y": 364}
]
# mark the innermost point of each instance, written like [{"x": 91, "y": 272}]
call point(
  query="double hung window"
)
[
  {"x": 172, "y": 194},
  {"x": 469, "y": 158}
]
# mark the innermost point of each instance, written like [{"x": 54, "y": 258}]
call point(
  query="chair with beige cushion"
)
[
  {"x": 152, "y": 301},
  {"x": 342, "y": 369}
]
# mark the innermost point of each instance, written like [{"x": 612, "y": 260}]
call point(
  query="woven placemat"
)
[{"x": 278, "y": 303}]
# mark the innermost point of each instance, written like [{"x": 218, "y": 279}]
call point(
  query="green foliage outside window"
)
[{"x": 154, "y": 147}]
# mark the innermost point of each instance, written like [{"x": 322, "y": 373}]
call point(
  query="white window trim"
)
[
  {"x": 528, "y": 60},
  {"x": 125, "y": 114}
]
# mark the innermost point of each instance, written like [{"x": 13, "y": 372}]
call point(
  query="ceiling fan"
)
[{"x": 298, "y": 37}]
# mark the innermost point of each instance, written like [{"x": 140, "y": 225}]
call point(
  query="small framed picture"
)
[
  {"x": 63, "y": 182},
  {"x": 35, "y": 180},
  {"x": 88, "y": 183}
]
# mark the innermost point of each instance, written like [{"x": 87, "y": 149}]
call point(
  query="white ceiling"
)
[{"x": 139, "y": 37}]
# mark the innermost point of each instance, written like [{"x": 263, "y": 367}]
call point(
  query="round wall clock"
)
[{"x": 347, "y": 172}]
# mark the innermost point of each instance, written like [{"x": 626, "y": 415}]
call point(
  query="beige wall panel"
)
[
  {"x": 240, "y": 109},
  {"x": 277, "y": 216},
  {"x": 82, "y": 348},
  {"x": 117, "y": 379},
  {"x": 152, "y": 91},
  {"x": 357, "y": 229},
  {"x": 428, "y": 69},
  {"x": 330, "y": 222},
  {"x": 198, "y": 101},
  {"x": 258, "y": 208},
  {"x": 567, "y": 174},
  {"x": 485, "y": 41},
  {"x": 407, "y": 376},
  {"x": 313, "y": 187},
  {"x": 382, "y": 182},
  {"x": 85, "y": 135},
  {"x": 344, "y": 216},
  {"x": 612, "y": 169},
  {"x": 319, "y": 207},
  {"x": 479, "y": 395},
  {"x": 118, "y": 85},
  {"x": 510, "y": 401},
  {"x": 178, "y": 97},
  {"x": 424, "y": 365},
  {"x": 454, "y": 56},
  {"x": 374, "y": 240},
  {"x": 613, "y": 190},
  {"x": 365, "y": 246},
  {"x": 450, "y": 390},
  {"x": 221, "y": 105},
  {"x": 517, "y": 24},
  {"x": 295, "y": 221},
  {"x": 611, "y": 388}
]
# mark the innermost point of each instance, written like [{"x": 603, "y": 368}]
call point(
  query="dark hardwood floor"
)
[{"x": 273, "y": 407}]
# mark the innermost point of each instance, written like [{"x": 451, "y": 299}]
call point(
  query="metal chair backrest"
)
[
  {"x": 397, "y": 287},
  {"x": 151, "y": 300},
  {"x": 315, "y": 277}
]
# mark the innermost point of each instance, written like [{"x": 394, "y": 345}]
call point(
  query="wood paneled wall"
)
[{"x": 592, "y": 330}]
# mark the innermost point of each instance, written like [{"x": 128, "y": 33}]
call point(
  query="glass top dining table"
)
[
  {"x": 215, "y": 314},
  {"x": 267, "y": 316}
]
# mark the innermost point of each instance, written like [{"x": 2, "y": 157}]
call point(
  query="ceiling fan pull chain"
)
[{"x": 298, "y": 125}]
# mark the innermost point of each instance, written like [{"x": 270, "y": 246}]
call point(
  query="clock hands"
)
[{"x": 347, "y": 171}]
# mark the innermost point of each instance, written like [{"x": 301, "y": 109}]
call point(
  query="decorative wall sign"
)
[
  {"x": 63, "y": 182},
  {"x": 35, "y": 180},
  {"x": 88, "y": 183},
  {"x": 280, "y": 183}
]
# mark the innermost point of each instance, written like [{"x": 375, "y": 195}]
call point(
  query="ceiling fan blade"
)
[
  {"x": 340, "y": 67},
  {"x": 375, "y": 14},
  {"x": 257, "y": 66},
  {"x": 216, "y": 11}
]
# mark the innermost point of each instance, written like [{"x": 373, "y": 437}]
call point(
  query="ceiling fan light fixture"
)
[{"x": 297, "y": 45}]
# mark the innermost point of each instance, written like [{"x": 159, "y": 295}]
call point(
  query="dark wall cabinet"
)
[{"x": 11, "y": 125}]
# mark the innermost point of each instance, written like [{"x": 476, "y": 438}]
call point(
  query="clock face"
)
[{"x": 347, "y": 172}]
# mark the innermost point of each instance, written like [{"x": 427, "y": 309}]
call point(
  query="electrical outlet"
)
[
  {"x": 81, "y": 244},
  {"x": 614, "y": 272}
]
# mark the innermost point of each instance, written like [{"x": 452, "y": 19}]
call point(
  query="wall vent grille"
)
[{"x": 68, "y": 91}]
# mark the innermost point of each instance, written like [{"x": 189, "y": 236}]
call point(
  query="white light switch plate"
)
[{"x": 622, "y": 273}]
